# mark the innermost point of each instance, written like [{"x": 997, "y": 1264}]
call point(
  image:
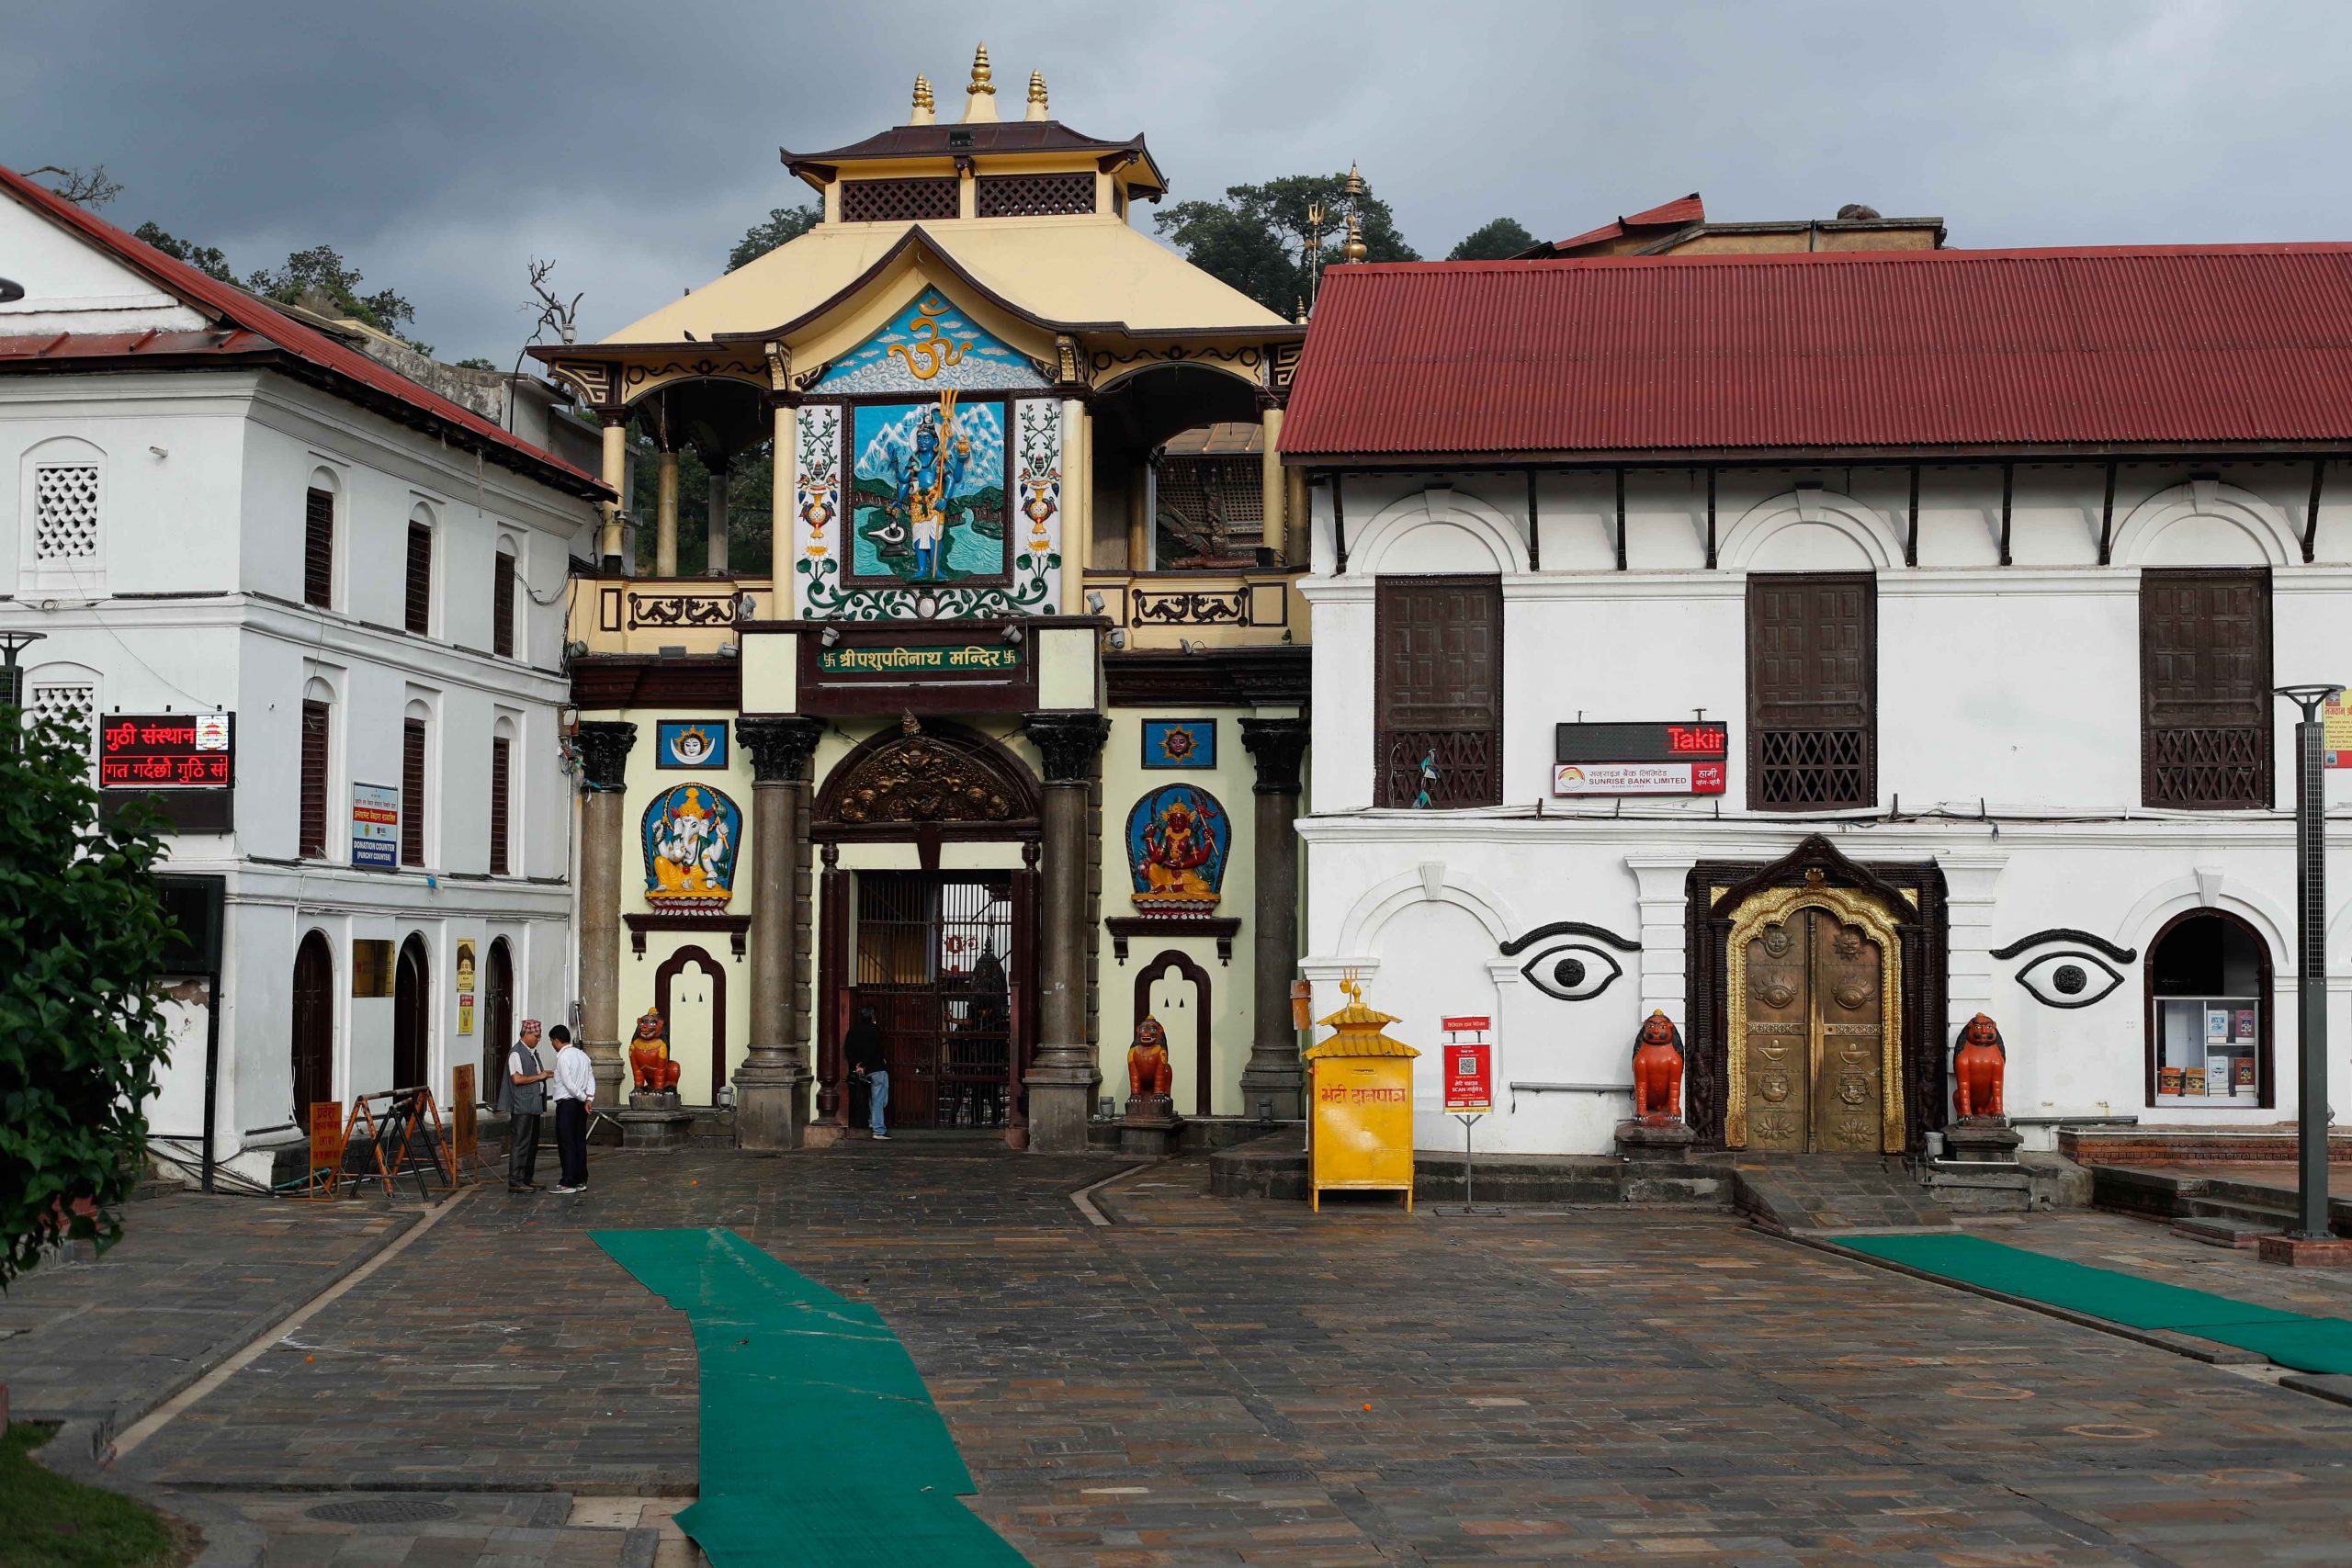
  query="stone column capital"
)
[
  {"x": 1279, "y": 745},
  {"x": 1069, "y": 741},
  {"x": 604, "y": 754},
  {"x": 781, "y": 747}
]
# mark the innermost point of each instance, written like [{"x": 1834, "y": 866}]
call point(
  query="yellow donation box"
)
[{"x": 1360, "y": 1131}]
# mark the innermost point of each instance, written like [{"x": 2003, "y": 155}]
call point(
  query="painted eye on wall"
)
[
  {"x": 2066, "y": 979},
  {"x": 1572, "y": 971}
]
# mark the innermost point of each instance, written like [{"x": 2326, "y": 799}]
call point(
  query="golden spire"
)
[
  {"x": 1355, "y": 249},
  {"x": 1038, "y": 109},
  {"x": 979, "y": 96},
  {"x": 923, "y": 114},
  {"x": 1356, "y": 180}
]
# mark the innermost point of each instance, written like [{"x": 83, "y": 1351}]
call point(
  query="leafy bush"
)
[{"x": 82, "y": 933}]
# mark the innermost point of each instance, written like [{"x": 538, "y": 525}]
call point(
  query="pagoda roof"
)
[{"x": 977, "y": 139}]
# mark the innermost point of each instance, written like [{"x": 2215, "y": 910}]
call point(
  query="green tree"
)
[
  {"x": 1496, "y": 241},
  {"x": 477, "y": 363},
  {"x": 1255, "y": 238},
  {"x": 206, "y": 259},
  {"x": 81, "y": 935},
  {"x": 782, "y": 225},
  {"x": 322, "y": 269}
]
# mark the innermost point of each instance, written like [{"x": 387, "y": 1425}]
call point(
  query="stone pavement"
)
[{"x": 1213, "y": 1380}]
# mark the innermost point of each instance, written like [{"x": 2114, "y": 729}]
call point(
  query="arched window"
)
[
  {"x": 318, "y": 707},
  {"x": 64, "y": 502},
  {"x": 67, "y": 693},
  {"x": 2209, "y": 1014},
  {"x": 507, "y": 588},
  {"x": 319, "y": 506},
  {"x": 417, "y": 614},
  {"x": 416, "y": 783},
  {"x": 502, "y": 798}
]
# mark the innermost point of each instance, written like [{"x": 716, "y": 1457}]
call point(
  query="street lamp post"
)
[{"x": 2311, "y": 960}]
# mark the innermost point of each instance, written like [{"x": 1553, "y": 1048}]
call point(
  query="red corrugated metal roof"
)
[
  {"x": 251, "y": 327},
  {"x": 1907, "y": 350},
  {"x": 1680, "y": 213}
]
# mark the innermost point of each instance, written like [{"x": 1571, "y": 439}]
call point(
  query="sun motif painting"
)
[
  {"x": 928, "y": 492},
  {"x": 692, "y": 834},
  {"x": 1178, "y": 838}
]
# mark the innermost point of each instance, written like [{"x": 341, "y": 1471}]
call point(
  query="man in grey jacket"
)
[{"x": 526, "y": 1102}]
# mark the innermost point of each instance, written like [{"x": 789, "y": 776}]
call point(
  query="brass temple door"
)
[{"x": 1815, "y": 1041}]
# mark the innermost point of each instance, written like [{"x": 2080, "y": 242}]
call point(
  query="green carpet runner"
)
[
  {"x": 2290, "y": 1338},
  {"x": 819, "y": 1443}
]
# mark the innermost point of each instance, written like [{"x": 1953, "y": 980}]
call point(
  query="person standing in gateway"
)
[
  {"x": 575, "y": 1100},
  {"x": 863, "y": 1048},
  {"x": 527, "y": 1103}
]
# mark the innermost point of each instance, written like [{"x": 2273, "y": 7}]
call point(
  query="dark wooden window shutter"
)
[
  {"x": 420, "y": 579},
  {"x": 2205, "y": 700},
  {"x": 1811, "y": 691},
  {"x": 318, "y": 549},
  {"x": 413, "y": 792},
  {"x": 313, "y": 830},
  {"x": 1439, "y": 690},
  {"x": 502, "y": 606},
  {"x": 501, "y": 754}
]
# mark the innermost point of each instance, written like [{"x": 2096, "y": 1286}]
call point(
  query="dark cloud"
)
[{"x": 438, "y": 145}]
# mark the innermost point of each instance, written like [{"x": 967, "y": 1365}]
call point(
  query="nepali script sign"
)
[
  {"x": 905, "y": 661},
  {"x": 167, "y": 750}
]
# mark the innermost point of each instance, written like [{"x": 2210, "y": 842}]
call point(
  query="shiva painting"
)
[
  {"x": 927, "y": 495},
  {"x": 1177, "y": 840},
  {"x": 692, "y": 832}
]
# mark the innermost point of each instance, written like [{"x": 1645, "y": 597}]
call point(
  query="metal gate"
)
[{"x": 931, "y": 958}]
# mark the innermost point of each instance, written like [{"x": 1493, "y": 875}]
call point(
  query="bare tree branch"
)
[
  {"x": 88, "y": 188},
  {"x": 555, "y": 311}
]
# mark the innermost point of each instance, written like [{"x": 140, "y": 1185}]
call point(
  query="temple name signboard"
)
[
  {"x": 1668, "y": 758},
  {"x": 167, "y": 750}
]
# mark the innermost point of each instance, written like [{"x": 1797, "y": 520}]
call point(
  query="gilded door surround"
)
[
  {"x": 1909, "y": 895},
  {"x": 1852, "y": 908}
]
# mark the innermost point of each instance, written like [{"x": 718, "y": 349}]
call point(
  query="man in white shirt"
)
[{"x": 575, "y": 1102}]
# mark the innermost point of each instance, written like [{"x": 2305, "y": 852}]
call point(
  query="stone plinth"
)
[
  {"x": 1984, "y": 1140},
  {"x": 1150, "y": 1127},
  {"x": 1655, "y": 1138},
  {"x": 656, "y": 1121},
  {"x": 2306, "y": 1252}
]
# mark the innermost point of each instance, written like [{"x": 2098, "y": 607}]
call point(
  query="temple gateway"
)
[{"x": 1007, "y": 747}]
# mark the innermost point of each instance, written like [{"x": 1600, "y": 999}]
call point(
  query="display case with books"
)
[{"x": 2209, "y": 1050}]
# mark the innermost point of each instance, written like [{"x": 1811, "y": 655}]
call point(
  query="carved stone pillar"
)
[
  {"x": 715, "y": 532},
  {"x": 1272, "y": 1076},
  {"x": 1271, "y": 488},
  {"x": 616, "y": 474},
  {"x": 665, "y": 517},
  {"x": 1062, "y": 1078},
  {"x": 603, "y": 835},
  {"x": 770, "y": 1099}
]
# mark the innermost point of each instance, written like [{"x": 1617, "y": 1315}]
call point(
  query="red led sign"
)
[
  {"x": 1688, "y": 741},
  {"x": 167, "y": 750}
]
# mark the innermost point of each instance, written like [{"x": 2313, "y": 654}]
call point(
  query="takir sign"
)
[{"x": 1640, "y": 759}]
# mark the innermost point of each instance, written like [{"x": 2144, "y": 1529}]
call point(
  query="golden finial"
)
[
  {"x": 1298, "y": 308},
  {"x": 1038, "y": 109},
  {"x": 1355, "y": 249},
  {"x": 1356, "y": 180},
  {"x": 979, "y": 97},
  {"x": 981, "y": 76},
  {"x": 923, "y": 106}
]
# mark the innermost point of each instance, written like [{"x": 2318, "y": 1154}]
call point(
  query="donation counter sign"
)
[
  {"x": 375, "y": 827},
  {"x": 2336, "y": 734},
  {"x": 1469, "y": 1064}
]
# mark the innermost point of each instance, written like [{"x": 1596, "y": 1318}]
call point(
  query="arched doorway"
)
[
  {"x": 313, "y": 1041},
  {"x": 2209, "y": 979},
  {"x": 412, "y": 1013},
  {"x": 497, "y": 1015},
  {"x": 690, "y": 990},
  {"x": 945, "y": 958}
]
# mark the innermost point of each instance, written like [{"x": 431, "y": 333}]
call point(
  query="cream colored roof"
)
[{"x": 1085, "y": 269}]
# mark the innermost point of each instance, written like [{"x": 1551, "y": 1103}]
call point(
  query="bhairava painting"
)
[
  {"x": 927, "y": 499},
  {"x": 1178, "y": 837}
]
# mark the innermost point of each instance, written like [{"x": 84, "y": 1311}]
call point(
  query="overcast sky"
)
[{"x": 440, "y": 144}]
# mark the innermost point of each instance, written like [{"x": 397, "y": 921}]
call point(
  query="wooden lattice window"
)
[
  {"x": 1438, "y": 690},
  {"x": 502, "y": 762},
  {"x": 1811, "y": 691},
  {"x": 501, "y": 607},
  {"x": 312, "y": 831},
  {"x": 413, "y": 792},
  {"x": 897, "y": 201},
  {"x": 2205, "y": 689},
  {"x": 1033, "y": 195},
  {"x": 318, "y": 549},
  {"x": 419, "y": 618}
]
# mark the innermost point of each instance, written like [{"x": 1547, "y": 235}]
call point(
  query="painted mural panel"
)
[
  {"x": 1178, "y": 837},
  {"x": 854, "y": 558},
  {"x": 927, "y": 493},
  {"x": 929, "y": 344},
  {"x": 692, "y": 833},
  {"x": 1178, "y": 743}
]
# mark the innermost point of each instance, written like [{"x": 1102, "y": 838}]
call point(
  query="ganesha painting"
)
[
  {"x": 691, "y": 835},
  {"x": 1177, "y": 841}
]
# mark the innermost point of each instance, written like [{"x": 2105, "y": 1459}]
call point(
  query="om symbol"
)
[{"x": 937, "y": 350}]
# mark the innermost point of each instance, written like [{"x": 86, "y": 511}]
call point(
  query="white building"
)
[
  {"x": 212, "y": 509},
  {"x": 1988, "y": 561}
]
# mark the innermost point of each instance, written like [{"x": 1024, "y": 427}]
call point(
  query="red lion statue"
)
[
  {"x": 1150, "y": 1076},
  {"x": 649, "y": 1056},
  {"x": 1977, "y": 1068},
  {"x": 1657, "y": 1070}
]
